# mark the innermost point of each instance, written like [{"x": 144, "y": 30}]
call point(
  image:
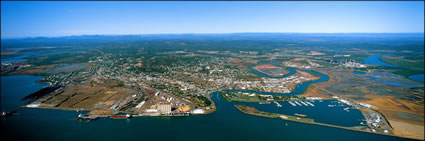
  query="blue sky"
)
[{"x": 30, "y": 19}]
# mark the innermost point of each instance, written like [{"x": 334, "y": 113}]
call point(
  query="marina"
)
[
  {"x": 296, "y": 102},
  {"x": 309, "y": 103},
  {"x": 262, "y": 102},
  {"x": 320, "y": 112},
  {"x": 277, "y": 104},
  {"x": 305, "y": 104},
  {"x": 186, "y": 123}
]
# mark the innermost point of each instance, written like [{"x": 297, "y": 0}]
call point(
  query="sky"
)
[{"x": 50, "y": 19}]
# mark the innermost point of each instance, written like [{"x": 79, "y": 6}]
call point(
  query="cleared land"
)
[{"x": 271, "y": 70}]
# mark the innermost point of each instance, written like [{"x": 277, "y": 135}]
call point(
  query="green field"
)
[
  {"x": 407, "y": 72},
  {"x": 418, "y": 63},
  {"x": 253, "y": 111}
]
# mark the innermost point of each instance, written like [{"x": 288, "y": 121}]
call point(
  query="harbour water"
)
[
  {"x": 14, "y": 88},
  {"x": 227, "y": 123},
  {"x": 321, "y": 112}
]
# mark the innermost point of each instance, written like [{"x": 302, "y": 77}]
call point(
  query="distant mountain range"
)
[{"x": 406, "y": 41}]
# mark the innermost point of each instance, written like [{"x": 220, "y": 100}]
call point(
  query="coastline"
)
[
  {"x": 303, "y": 91},
  {"x": 285, "y": 117}
]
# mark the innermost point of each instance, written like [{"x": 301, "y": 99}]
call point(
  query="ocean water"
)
[
  {"x": 14, "y": 88},
  {"x": 227, "y": 123}
]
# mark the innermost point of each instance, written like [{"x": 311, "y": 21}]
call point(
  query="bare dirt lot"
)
[{"x": 91, "y": 96}]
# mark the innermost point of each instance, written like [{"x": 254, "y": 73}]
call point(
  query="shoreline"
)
[
  {"x": 281, "y": 116},
  {"x": 214, "y": 109}
]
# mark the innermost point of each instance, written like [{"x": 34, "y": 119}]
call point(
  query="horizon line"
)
[{"x": 61, "y": 36}]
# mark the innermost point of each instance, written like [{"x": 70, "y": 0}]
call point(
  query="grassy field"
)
[
  {"x": 407, "y": 72},
  {"x": 252, "y": 111},
  {"x": 235, "y": 96}
]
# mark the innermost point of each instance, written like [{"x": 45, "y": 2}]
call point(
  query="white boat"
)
[
  {"x": 292, "y": 103},
  {"x": 296, "y": 102},
  {"x": 277, "y": 104},
  {"x": 267, "y": 102},
  {"x": 309, "y": 103},
  {"x": 347, "y": 109},
  {"x": 305, "y": 104}
]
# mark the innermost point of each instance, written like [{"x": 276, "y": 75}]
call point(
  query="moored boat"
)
[
  {"x": 87, "y": 117},
  {"x": 300, "y": 115},
  {"x": 120, "y": 116}
]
